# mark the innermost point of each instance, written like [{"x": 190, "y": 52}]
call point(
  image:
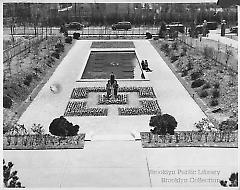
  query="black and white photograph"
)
[{"x": 111, "y": 94}]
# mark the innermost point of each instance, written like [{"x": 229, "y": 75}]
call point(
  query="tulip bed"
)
[
  {"x": 81, "y": 93},
  {"x": 42, "y": 142},
  {"x": 121, "y": 99},
  {"x": 79, "y": 109},
  {"x": 149, "y": 107},
  {"x": 144, "y": 92}
]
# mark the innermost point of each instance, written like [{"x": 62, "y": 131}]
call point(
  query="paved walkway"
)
[{"x": 113, "y": 158}]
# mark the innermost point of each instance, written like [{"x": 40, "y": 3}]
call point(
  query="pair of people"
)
[{"x": 144, "y": 65}]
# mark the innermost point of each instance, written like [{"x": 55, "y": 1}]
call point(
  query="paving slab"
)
[
  {"x": 100, "y": 164},
  {"x": 172, "y": 163}
]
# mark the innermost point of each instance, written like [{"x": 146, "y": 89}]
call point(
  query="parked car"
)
[
  {"x": 234, "y": 29},
  {"x": 74, "y": 26},
  {"x": 122, "y": 26},
  {"x": 212, "y": 25},
  {"x": 175, "y": 26}
]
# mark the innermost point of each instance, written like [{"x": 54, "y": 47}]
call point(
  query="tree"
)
[
  {"x": 163, "y": 124},
  {"x": 61, "y": 127},
  {"x": 10, "y": 179},
  {"x": 233, "y": 181}
]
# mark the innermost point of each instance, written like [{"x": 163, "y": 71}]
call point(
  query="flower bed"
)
[
  {"x": 75, "y": 107},
  {"x": 190, "y": 139},
  {"x": 112, "y": 45},
  {"x": 79, "y": 109},
  {"x": 82, "y": 92},
  {"x": 42, "y": 142},
  {"x": 144, "y": 92},
  {"x": 79, "y": 93},
  {"x": 149, "y": 107},
  {"x": 121, "y": 99}
]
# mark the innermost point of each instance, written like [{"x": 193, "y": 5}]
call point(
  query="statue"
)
[{"x": 112, "y": 87}]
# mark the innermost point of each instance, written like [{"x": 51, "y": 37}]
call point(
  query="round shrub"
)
[
  {"x": 213, "y": 102},
  {"x": 163, "y": 124},
  {"x": 184, "y": 73},
  {"x": 7, "y": 102},
  {"x": 203, "y": 94},
  {"x": 215, "y": 93},
  {"x": 27, "y": 80},
  {"x": 196, "y": 75},
  {"x": 61, "y": 127},
  {"x": 76, "y": 35},
  {"x": 206, "y": 86},
  {"x": 68, "y": 39},
  {"x": 197, "y": 83}
]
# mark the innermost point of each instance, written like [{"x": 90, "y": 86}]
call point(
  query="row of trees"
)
[{"x": 138, "y": 15}]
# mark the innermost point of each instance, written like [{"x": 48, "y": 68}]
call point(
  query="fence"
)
[
  {"x": 20, "y": 47},
  {"x": 87, "y": 31},
  {"x": 221, "y": 53}
]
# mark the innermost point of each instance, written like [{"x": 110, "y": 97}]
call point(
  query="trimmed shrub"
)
[
  {"x": 76, "y": 35},
  {"x": 163, "y": 124},
  {"x": 7, "y": 102},
  {"x": 203, "y": 94},
  {"x": 27, "y": 80},
  {"x": 174, "y": 58},
  {"x": 184, "y": 73},
  {"x": 197, "y": 83},
  {"x": 60, "y": 47},
  {"x": 148, "y": 35},
  {"x": 215, "y": 93},
  {"x": 68, "y": 39},
  {"x": 213, "y": 102},
  {"x": 206, "y": 86},
  {"x": 61, "y": 127},
  {"x": 195, "y": 75},
  {"x": 56, "y": 55}
]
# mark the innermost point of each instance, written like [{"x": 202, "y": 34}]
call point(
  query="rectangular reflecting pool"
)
[{"x": 123, "y": 64}]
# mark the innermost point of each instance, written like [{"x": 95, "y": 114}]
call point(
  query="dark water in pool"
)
[{"x": 124, "y": 65}]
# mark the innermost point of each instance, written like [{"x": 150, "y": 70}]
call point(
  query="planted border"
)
[
  {"x": 42, "y": 142},
  {"x": 121, "y": 99},
  {"x": 148, "y": 107},
  {"x": 190, "y": 139}
]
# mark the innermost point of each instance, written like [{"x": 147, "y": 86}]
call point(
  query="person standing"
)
[{"x": 223, "y": 28}]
